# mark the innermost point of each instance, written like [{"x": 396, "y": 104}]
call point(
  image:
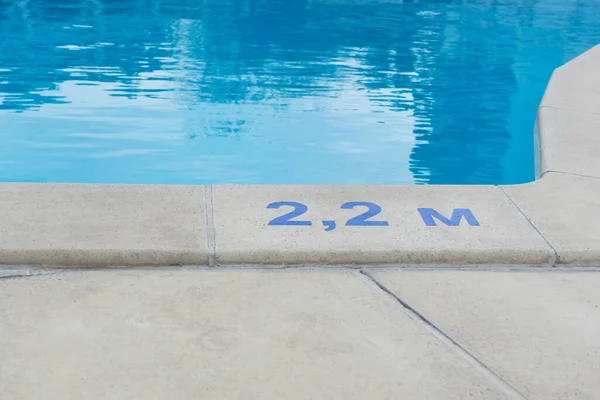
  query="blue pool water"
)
[{"x": 279, "y": 91}]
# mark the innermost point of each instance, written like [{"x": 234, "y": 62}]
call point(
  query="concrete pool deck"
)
[
  {"x": 548, "y": 222},
  {"x": 300, "y": 333}
]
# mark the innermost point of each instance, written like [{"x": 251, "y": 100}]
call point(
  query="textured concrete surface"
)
[
  {"x": 102, "y": 224},
  {"x": 576, "y": 85},
  {"x": 569, "y": 141},
  {"x": 564, "y": 209},
  {"x": 242, "y": 233},
  {"x": 228, "y": 334},
  {"x": 538, "y": 331}
]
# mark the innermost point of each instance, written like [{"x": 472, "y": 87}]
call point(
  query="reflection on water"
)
[{"x": 279, "y": 91}]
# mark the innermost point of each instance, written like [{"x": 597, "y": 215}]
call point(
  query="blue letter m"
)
[{"x": 429, "y": 213}]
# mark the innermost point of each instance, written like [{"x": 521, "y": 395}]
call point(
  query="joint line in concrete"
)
[
  {"x": 210, "y": 226},
  {"x": 552, "y": 254},
  {"x": 571, "y": 174},
  {"x": 506, "y": 387}
]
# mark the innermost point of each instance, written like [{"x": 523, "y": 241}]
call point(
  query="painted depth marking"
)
[{"x": 428, "y": 215}]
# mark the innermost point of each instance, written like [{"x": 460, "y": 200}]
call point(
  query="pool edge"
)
[{"x": 548, "y": 222}]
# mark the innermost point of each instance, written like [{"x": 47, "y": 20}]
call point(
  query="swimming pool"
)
[{"x": 279, "y": 91}]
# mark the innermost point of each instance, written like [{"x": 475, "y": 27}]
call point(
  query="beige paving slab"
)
[
  {"x": 102, "y": 224},
  {"x": 538, "y": 331},
  {"x": 576, "y": 85},
  {"x": 243, "y": 234},
  {"x": 570, "y": 141},
  {"x": 228, "y": 334},
  {"x": 564, "y": 208}
]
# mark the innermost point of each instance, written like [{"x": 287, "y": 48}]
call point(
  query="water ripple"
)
[{"x": 279, "y": 91}]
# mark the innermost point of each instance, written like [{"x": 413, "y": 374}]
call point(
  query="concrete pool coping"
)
[{"x": 547, "y": 222}]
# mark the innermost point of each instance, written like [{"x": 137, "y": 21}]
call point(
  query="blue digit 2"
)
[
  {"x": 286, "y": 219},
  {"x": 361, "y": 220}
]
